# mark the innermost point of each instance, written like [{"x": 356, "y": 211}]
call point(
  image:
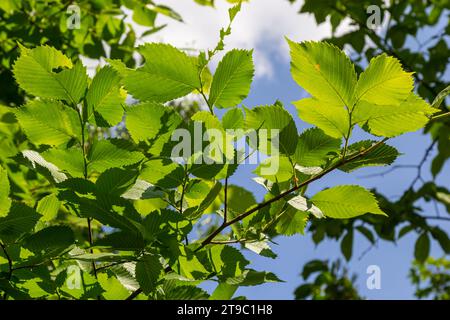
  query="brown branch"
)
[{"x": 242, "y": 216}]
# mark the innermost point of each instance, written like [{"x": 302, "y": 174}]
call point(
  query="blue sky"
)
[{"x": 262, "y": 25}]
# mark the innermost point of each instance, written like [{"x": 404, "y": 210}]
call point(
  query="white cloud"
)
[{"x": 261, "y": 25}]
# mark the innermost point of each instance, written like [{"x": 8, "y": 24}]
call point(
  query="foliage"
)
[{"x": 88, "y": 216}]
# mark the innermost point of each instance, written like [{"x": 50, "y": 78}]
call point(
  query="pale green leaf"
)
[
  {"x": 68, "y": 161},
  {"x": 314, "y": 147},
  {"x": 50, "y": 241},
  {"x": 20, "y": 219},
  {"x": 392, "y": 120},
  {"x": 223, "y": 291},
  {"x": 167, "y": 74},
  {"x": 346, "y": 201},
  {"x": 384, "y": 82},
  {"x": 162, "y": 173},
  {"x": 35, "y": 117},
  {"x": 233, "y": 119},
  {"x": 5, "y": 201}
]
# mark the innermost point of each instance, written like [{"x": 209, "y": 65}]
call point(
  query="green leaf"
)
[
  {"x": 228, "y": 261},
  {"x": 384, "y": 82},
  {"x": 275, "y": 169},
  {"x": 74, "y": 81},
  {"x": 167, "y": 74},
  {"x": 269, "y": 118},
  {"x": 223, "y": 291},
  {"x": 104, "y": 98},
  {"x": 217, "y": 148},
  {"x": 232, "y": 80},
  {"x": 106, "y": 154},
  {"x": 347, "y": 245},
  {"x": 163, "y": 173},
  {"x": 179, "y": 292},
  {"x": 233, "y": 119},
  {"x": 314, "y": 147},
  {"x": 441, "y": 97},
  {"x": 161, "y": 9},
  {"x": 5, "y": 201},
  {"x": 346, "y": 201},
  {"x": 422, "y": 247},
  {"x": 312, "y": 267},
  {"x": 442, "y": 237},
  {"x": 204, "y": 202},
  {"x": 392, "y": 120},
  {"x": 34, "y": 71},
  {"x": 324, "y": 71},
  {"x": 148, "y": 271},
  {"x": 302, "y": 204},
  {"x": 331, "y": 118},
  {"x": 383, "y": 155},
  {"x": 20, "y": 220},
  {"x": 48, "y": 207},
  {"x": 125, "y": 241},
  {"x": 34, "y": 119},
  {"x": 51, "y": 241},
  {"x": 366, "y": 233},
  {"x": 114, "y": 290},
  {"x": 144, "y": 16},
  {"x": 115, "y": 181},
  {"x": 36, "y": 158},
  {"x": 253, "y": 278}
]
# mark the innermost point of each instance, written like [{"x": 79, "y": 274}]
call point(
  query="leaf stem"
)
[{"x": 440, "y": 116}]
